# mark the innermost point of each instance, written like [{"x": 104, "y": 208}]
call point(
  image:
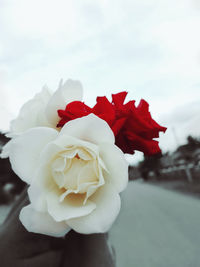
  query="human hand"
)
[{"x": 20, "y": 248}]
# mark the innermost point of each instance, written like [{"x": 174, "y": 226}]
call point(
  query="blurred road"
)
[{"x": 157, "y": 228}]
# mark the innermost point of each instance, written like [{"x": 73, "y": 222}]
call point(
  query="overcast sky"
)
[{"x": 151, "y": 48}]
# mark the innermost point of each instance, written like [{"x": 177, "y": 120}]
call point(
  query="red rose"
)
[{"x": 133, "y": 127}]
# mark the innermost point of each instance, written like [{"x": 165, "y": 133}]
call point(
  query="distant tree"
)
[
  {"x": 193, "y": 142},
  {"x": 187, "y": 151},
  {"x": 150, "y": 163}
]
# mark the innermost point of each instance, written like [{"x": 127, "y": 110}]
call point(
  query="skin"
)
[{"x": 20, "y": 248}]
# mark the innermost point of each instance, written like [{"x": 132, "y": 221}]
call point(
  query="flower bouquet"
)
[{"x": 72, "y": 157}]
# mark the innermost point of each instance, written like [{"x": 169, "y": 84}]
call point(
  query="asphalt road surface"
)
[{"x": 156, "y": 228}]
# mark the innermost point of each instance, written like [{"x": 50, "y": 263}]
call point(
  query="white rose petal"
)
[
  {"x": 37, "y": 197},
  {"x": 31, "y": 114},
  {"x": 90, "y": 129},
  {"x": 101, "y": 219},
  {"x": 42, "y": 223},
  {"x": 70, "y": 207},
  {"x": 116, "y": 164},
  {"x": 66, "y": 93},
  {"x": 25, "y": 151}
]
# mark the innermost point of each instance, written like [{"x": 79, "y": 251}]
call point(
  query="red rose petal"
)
[{"x": 118, "y": 99}]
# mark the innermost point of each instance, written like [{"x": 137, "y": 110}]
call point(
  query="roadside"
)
[{"x": 192, "y": 189}]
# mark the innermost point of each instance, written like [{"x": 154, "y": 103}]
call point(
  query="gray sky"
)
[{"x": 151, "y": 48}]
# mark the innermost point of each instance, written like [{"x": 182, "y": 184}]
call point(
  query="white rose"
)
[
  {"x": 75, "y": 177},
  {"x": 42, "y": 109}
]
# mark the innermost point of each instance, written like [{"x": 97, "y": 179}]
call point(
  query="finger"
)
[
  {"x": 72, "y": 250},
  {"x": 14, "y": 217},
  {"x": 50, "y": 259},
  {"x": 21, "y": 198},
  {"x": 97, "y": 252},
  {"x": 25, "y": 244},
  {"x": 87, "y": 251}
]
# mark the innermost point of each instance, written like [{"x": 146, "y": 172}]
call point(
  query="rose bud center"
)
[{"x": 77, "y": 170}]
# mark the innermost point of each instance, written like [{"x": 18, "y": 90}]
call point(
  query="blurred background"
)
[{"x": 150, "y": 48}]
